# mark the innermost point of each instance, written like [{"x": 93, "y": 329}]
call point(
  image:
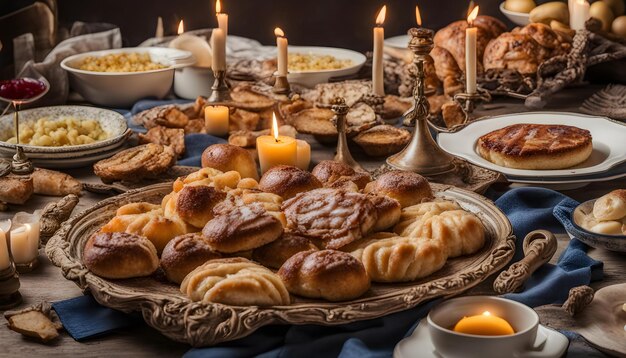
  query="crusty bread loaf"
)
[
  {"x": 120, "y": 255},
  {"x": 183, "y": 254},
  {"x": 407, "y": 188},
  {"x": 195, "y": 203},
  {"x": 460, "y": 232},
  {"x": 287, "y": 181},
  {"x": 227, "y": 157},
  {"x": 16, "y": 189},
  {"x": 611, "y": 206},
  {"x": 235, "y": 281},
  {"x": 329, "y": 171},
  {"x": 388, "y": 211},
  {"x": 277, "y": 252},
  {"x": 328, "y": 274}
]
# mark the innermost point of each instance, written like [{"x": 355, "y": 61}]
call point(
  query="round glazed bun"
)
[
  {"x": 194, "y": 204},
  {"x": 388, "y": 211},
  {"x": 408, "y": 188},
  {"x": 227, "y": 157},
  {"x": 287, "y": 181},
  {"x": 120, "y": 255},
  {"x": 277, "y": 252},
  {"x": 328, "y": 274},
  {"x": 183, "y": 254},
  {"x": 330, "y": 171}
]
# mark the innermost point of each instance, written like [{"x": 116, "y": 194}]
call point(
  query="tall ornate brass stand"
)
[
  {"x": 422, "y": 155},
  {"x": 343, "y": 152}
]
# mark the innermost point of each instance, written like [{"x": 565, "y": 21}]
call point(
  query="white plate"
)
[
  {"x": 609, "y": 146},
  {"x": 311, "y": 78},
  {"x": 401, "y": 41},
  {"x": 419, "y": 344},
  {"x": 518, "y": 18},
  {"x": 80, "y": 162}
]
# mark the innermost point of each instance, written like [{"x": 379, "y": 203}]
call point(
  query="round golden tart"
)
[{"x": 536, "y": 146}]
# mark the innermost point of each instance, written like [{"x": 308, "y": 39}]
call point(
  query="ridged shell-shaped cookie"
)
[
  {"x": 235, "y": 281},
  {"x": 460, "y": 232},
  {"x": 400, "y": 259},
  {"x": 413, "y": 217}
]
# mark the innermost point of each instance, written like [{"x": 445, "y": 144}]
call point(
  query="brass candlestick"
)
[
  {"x": 20, "y": 165},
  {"x": 281, "y": 85},
  {"x": 468, "y": 102},
  {"x": 422, "y": 155},
  {"x": 343, "y": 152},
  {"x": 220, "y": 91}
]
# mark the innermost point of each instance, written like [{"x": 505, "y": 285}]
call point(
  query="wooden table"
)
[{"x": 47, "y": 283}]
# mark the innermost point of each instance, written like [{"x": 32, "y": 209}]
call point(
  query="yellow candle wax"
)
[
  {"x": 216, "y": 120},
  {"x": 485, "y": 324},
  {"x": 303, "y": 154},
  {"x": 276, "y": 149}
]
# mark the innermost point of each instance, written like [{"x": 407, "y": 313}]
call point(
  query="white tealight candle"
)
[
  {"x": 218, "y": 45},
  {"x": 5, "y": 261},
  {"x": 216, "y": 120},
  {"x": 282, "y": 58},
  {"x": 222, "y": 18},
  {"x": 303, "y": 154},
  {"x": 378, "y": 80},
  {"x": 579, "y": 14},
  {"x": 21, "y": 248},
  {"x": 470, "y": 52}
]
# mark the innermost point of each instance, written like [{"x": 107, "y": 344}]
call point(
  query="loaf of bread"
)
[
  {"x": 184, "y": 254},
  {"x": 329, "y": 171},
  {"x": 227, "y": 157},
  {"x": 287, "y": 181},
  {"x": 275, "y": 253},
  {"x": 328, "y": 274},
  {"x": 50, "y": 182},
  {"x": 407, "y": 188},
  {"x": 194, "y": 204},
  {"x": 235, "y": 281},
  {"x": 388, "y": 211},
  {"x": 120, "y": 255}
]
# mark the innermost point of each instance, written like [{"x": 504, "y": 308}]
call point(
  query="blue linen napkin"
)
[
  {"x": 195, "y": 143},
  {"x": 527, "y": 208}
]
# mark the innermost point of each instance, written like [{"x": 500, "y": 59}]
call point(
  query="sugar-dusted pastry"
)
[
  {"x": 120, "y": 255},
  {"x": 388, "y": 211},
  {"x": 50, "y": 182},
  {"x": 536, "y": 146},
  {"x": 147, "y": 220},
  {"x": 329, "y": 171},
  {"x": 183, "y": 254},
  {"x": 174, "y": 137},
  {"x": 336, "y": 217},
  {"x": 275, "y": 253},
  {"x": 287, "y": 181},
  {"x": 399, "y": 259},
  {"x": 328, "y": 274},
  {"x": 459, "y": 231},
  {"x": 235, "y": 281},
  {"x": 412, "y": 217},
  {"x": 227, "y": 157},
  {"x": 137, "y": 163},
  {"x": 244, "y": 227},
  {"x": 407, "y": 188},
  {"x": 194, "y": 204},
  {"x": 611, "y": 206}
]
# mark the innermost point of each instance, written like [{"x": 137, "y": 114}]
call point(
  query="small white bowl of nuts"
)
[{"x": 121, "y": 77}]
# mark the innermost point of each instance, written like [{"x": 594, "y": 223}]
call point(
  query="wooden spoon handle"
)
[{"x": 539, "y": 247}]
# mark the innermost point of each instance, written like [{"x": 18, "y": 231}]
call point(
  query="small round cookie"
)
[
  {"x": 244, "y": 227},
  {"x": 328, "y": 274},
  {"x": 329, "y": 171},
  {"x": 277, "y": 252},
  {"x": 227, "y": 157},
  {"x": 287, "y": 181},
  {"x": 194, "y": 204},
  {"x": 183, "y": 254},
  {"x": 120, "y": 255},
  {"x": 408, "y": 188}
]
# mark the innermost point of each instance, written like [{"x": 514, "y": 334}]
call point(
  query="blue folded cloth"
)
[
  {"x": 527, "y": 208},
  {"x": 195, "y": 143}
]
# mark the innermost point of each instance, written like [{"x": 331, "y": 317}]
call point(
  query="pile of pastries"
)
[
  {"x": 609, "y": 214},
  {"x": 225, "y": 237}
]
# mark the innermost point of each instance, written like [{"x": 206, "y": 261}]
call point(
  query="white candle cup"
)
[
  {"x": 218, "y": 46},
  {"x": 5, "y": 258},
  {"x": 21, "y": 248},
  {"x": 32, "y": 220},
  {"x": 216, "y": 120},
  {"x": 303, "y": 154}
]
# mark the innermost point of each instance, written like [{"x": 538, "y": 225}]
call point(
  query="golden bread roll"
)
[
  {"x": 328, "y": 274},
  {"x": 120, "y": 255},
  {"x": 460, "y": 232},
  {"x": 400, "y": 259},
  {"x": 610, "y": 227},
  {"x": 287, "y": 181},
  {"x": 235, "y": 281},
  {"x": 515, "y": 51},
  {"x": 407, "y": 188},
  {"x": 183, "y": 254},
  {"x": 194, "y": 204},
  {"x": 227, "y": 157},
  {"x": 238, "y": 197},
  {"x": 277, "y": 252},
  {"x": 611, "y": 206},
  {"x": 50, "y": 182},
  {"x": 388, "y": 211},
  {"x": 336, "y": 217},
  {"x": 242, "y": 228},
  {"x": 412, "y": 217},
  {"x": 329, "y": 171}
]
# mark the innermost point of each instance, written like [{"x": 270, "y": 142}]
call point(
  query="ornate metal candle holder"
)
[
  {"x": 281, "y": 85},
  {"x": 468, "y": 102},
  {"x": 9, "y": 288},
  {"x": 21, "y": 164},
  {"x": 343, "y": 152},
  {"x": 220, "y": 91},
  {"x": 422, "y": 155},
  {"x": 27, "y": 266}
]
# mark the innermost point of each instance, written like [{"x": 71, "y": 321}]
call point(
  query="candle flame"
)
[
  {"x": 181, "y": 27},
  {"x": 472, "y": 16},
  {"x": 486, "y": 313},
  {"x": 274, "y": 127},
  {"x": 380, "y": 19},
  {"x": 418, "y": 16},
  {"x": 279, "y": 32},
  {"x": 218, "y": 7},
  {"x": 470, "y": 7}
]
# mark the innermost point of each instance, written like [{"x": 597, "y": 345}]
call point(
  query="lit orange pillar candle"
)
[
  {"x": 303, "y": 154},
  {"x": 484, "y": 324},
  {"x": 276, "y": 149},
  {"x": 216, "y": 120}
]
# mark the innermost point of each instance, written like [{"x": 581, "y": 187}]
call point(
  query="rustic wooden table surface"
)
[{"x": 47, "y": 283}]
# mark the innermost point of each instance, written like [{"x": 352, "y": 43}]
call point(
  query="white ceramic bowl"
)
[
  {"x": 312, "y": 78},
  {"x": 122, "y": 89},
  {"x": 192, "y": 82},
  {"x": 451, "y": 344},
  {"x": 518, "y": 18}
]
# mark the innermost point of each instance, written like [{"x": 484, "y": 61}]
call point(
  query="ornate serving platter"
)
[{"x": 174, "y": 315}]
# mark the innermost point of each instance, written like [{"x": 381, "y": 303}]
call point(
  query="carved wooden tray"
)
[{"x": 166, "y": 309}]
